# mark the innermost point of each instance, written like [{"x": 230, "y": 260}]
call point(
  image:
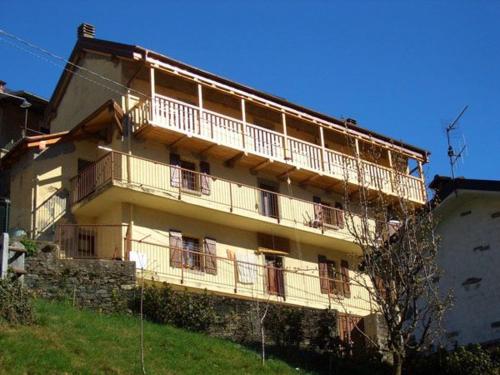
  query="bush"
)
[
  {"x": 284, "y": 325},
  {"x": 30, "y": 246},
  {"x": 15, "y": 303},
  {"x": 182, "y": 309},
  {"x": 468, "y": 360}
]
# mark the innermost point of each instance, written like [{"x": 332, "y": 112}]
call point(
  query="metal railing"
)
[
  {"x": 102, "y": 241},
  {"x": 231, "y": 132},
  {"x": 234, "y": 275},
  {"x": 205, "y": 190}
]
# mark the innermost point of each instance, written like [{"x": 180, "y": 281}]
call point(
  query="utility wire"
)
[{"x": 13, "y": 39}]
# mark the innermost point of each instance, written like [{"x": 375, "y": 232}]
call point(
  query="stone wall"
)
[{"x": 104, "y": 285}]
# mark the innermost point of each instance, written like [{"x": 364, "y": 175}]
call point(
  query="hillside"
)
[{"x": 67, "y": 340}]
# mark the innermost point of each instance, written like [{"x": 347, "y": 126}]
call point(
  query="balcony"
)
[
  {"x": 162, "y": 186},
  {"x": 191, "y": 267},
  {"x": 269, "y": 146}
]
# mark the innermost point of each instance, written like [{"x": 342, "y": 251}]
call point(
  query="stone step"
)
[
  {"x": 18, "y": 271},
  {"x": 17, "y": 249}
]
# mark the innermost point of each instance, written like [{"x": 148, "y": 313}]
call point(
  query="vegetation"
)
[
  {"x": 399, "y": 257},
  {"x": 66, "y": 340},
  {"x": 469, "y": 360},
  {"x": 15, "y": 303},
  {"x": 30, "y": 246}
]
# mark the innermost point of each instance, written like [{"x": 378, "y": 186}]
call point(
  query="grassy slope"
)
[{"x": 67, "y": 340}]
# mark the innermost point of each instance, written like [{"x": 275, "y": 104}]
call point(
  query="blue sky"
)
[{"x": 401, "y": 68}]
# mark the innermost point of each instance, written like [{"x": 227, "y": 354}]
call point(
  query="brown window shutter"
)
[
  {"x": 323, "y": 274},
  {"x": 210, "y": 256},
  {"x": 344, "y": 273},
  {"x": 175, "y": 171},
  {"x": 379, "y": 285},
  {"x": 205, "y": 177},
  {"x": 175, "y": 249}
]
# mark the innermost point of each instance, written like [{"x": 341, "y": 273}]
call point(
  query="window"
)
[
  {"x": 191, "y": 253},
  {"x": 268, "y": 200},
  {"x": 351, "y": 329},
  {"x": 183, "y": 174},
  {"x": 186, "y": 252},
  {"x": 327, "y": 215},
  {"x": 332, "y": 280}
]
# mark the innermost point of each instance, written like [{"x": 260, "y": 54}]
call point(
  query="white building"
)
[{"x": 469, "y": 227}]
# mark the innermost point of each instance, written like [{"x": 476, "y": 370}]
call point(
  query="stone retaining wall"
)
[{"x": 104, "y": 285}]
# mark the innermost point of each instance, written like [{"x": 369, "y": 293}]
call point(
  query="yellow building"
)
[{"x": 204, "y": 182}]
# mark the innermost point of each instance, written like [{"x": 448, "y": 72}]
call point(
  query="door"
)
[
  {"x": 275, "y": 276},
  {"x": 268, "y": 200},
  {"x": 188, "y": 176}
]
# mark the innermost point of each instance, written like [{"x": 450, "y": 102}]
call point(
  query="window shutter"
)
[
  {"x": 339, "y": 214},
  {"x": 210, "y": 256},
  {"x": 318, "y": 211},
  {"x": 175, "y": 171},
  {"x": 344, "y": 273},
  {"x": 175, "y": 249},
  {"x": 205, "y": 177},
  {"x": 323, "y": 273}
]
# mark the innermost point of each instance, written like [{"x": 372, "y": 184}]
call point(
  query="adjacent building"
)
[
  {"x": 468, "y": 212},
  {"x": 204, "y": 182}
]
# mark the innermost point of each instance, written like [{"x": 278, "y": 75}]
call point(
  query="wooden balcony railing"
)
[
  {"x": 232, "y": 274},
  {"x": 205, "y": 190},
  {"x": 215, "y": 127}
]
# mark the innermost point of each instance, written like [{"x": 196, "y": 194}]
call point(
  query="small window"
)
[{"x": 191, "y": 253}]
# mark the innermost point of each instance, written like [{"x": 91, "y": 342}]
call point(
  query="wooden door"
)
[{"x": 275, "y": 276}]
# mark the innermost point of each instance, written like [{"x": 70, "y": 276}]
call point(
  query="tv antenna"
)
[{"x": 454, "y": 156}]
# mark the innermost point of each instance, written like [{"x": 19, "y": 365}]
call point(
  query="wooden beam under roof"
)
[
  {"x": 204, "y": 153},
  {"x": 260, "y": 166},
  {"x": 232, "y": 161},
  {"x": 285, "y": 174},
  {"x": 306, "y": 182},
  {"x": 178, "y": 141}
]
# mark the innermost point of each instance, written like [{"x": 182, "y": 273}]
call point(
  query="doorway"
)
[
  {"x": 268, "y": 200},
  {"x": 275, "y": 276}
]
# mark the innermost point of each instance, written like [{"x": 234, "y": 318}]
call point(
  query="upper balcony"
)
[
  {"x": 258, "y": 147},
  {"x": 119, "y": 177}
]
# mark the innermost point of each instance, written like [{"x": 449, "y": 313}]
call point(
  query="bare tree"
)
[{"x": 398, "y": 255}]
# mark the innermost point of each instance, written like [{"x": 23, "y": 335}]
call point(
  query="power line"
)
[{"x": 66, "y": 61}]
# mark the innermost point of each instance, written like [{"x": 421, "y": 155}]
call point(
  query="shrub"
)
[
  {"x": 162, "y": 304},
  {"x": 15, "y": 303},
  {"x": 284, "y": 325},
  {"x": 30, "y": 246},
  {"x": 468, "y": 360}
]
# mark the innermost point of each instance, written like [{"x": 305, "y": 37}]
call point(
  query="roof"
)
[
  {"x": 27, "y": 143},
  {"x": 129, "y": 51},
  {"x": 444, "y": 186},
  {"x": 106, "y": 116}
]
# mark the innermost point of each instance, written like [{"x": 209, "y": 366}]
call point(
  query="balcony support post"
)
[
  {"x": 200, "y": 105},
  {"x": 323, "y": 150},
  {"x": 235, "y": 268},
  {"x": 389, "y": 156},
  {"x": 231, "y": 197},
  {"x": 243, "y": 122},
  {"x": 361, "y": 177},
  {"x": 287, "y": 155},
  {"x": 422, "y": 178},
  {"x": 152, "y": 87}
]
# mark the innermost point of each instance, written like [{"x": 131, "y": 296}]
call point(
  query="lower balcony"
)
[
  {"x": 186, "y": 264},
  {"x": 119, "y": 177}
]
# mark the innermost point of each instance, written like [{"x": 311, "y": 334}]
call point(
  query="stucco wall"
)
[
  {"x": 470, "y": 258},
  {"x": 82, "y": 97}
]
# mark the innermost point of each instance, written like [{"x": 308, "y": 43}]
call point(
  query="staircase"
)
[{"x": 12, "y": 255}]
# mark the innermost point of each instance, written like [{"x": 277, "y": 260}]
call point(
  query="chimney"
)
[
  {"x": 3, "y": 85},
  {"x": 86, "y": 30},
  {"x": 351, "y": 121}
]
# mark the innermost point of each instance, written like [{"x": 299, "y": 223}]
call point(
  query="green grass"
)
[{"x": 67, "y": 340}]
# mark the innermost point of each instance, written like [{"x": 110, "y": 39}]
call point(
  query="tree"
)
[{"x": 398, "y": 255}]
